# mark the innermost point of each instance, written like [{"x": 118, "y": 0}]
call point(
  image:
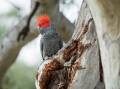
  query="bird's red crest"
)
[{"x": 43, "y": 21}]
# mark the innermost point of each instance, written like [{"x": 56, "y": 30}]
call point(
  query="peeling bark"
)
[
  {"x": 74, "y": 50},
  {"x": 90, "y": 77},
  {"x": 9, "y": 47}
]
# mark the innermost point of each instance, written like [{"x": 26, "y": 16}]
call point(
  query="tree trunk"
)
[
  {"x": 84, "y": 70},
  {"x": 106, "y": 15},
  {"x": 88, "y": 78},
  {"x": 9, "y": 47},
  {"x": 106, "y": 19}
]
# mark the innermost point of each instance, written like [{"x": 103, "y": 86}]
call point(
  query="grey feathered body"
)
[{"x": 51, "y": 42}]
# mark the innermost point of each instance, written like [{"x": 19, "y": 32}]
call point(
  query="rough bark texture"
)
[
  {"x": 106, "y": 15},
  {"x": 73, "y": 77},
  {"x": 9, "y": 47},
  {"x": 74, "y": 49},
  {"x": 88, "y": 78}
]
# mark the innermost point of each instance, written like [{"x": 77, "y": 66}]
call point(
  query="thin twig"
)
[{"x": 26, "y": 28}]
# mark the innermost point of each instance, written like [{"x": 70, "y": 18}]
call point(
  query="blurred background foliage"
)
[
  {"x": 8, "y": 19},
  {"x": 2, "y": 30},
  {"x": 20, "y": 76}
]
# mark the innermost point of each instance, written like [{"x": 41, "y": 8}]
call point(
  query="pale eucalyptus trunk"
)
[
  {"x": 106, "y": 15},
  {"x": 10, "y": 47},
  {"x": 90, "y": 76},
  {"x": 86, "y": 78}
]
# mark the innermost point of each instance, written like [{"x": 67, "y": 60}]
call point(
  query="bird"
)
[{"x": 51, "y": 40}]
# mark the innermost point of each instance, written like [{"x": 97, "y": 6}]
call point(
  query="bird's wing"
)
[
  {"x": 60, "y": 42},
  {"x": 41, "y": 48}
]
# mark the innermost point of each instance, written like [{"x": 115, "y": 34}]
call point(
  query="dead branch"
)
[
  {"x": 54, "y": 65},
  {"x": 26, "y": 28}
]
